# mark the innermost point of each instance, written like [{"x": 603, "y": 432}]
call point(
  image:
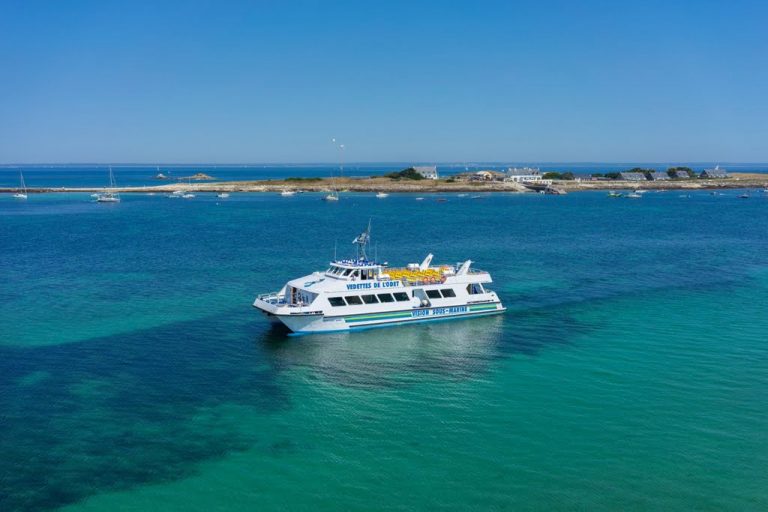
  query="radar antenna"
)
[{"x": 361, "y": 241}]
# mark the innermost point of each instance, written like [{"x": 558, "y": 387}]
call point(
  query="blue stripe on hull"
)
[{"x": 404, "y": 322}]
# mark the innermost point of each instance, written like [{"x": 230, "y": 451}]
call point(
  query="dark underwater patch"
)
[{"x": 116, "y": 412}]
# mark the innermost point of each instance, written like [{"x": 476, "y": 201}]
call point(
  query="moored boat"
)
[
  {"x": 359, "y": 293},
  {"x": 22, "y": 192},
  {"x": 110, "y": 196}
]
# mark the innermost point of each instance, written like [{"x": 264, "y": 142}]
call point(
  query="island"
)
[{"x": 407, "y": 181}]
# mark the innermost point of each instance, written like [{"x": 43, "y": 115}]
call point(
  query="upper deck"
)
[{"x": 410, "y": 275}]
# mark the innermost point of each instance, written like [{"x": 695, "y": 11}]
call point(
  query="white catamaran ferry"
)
[{"x": 360, "y": 293}]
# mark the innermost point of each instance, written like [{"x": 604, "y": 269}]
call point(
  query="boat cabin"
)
[{"x": 354, "y": 270}]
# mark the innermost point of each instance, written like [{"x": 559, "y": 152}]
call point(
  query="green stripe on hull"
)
[
  {"x": 483, "y": 307},
  {"x": 378, "y": 316},
  {"x": 399, "y": 315}
]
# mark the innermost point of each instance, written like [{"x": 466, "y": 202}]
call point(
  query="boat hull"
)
[{"x": 314, "y": 323}]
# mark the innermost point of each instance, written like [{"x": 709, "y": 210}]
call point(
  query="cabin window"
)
[
  {"x": 336, "y": 301},
  {"x": 448, "y": 292},
  {"x": 347, "y": 272},
  {"x": 353, "y": 300},
  {"x": 434, "y": 294},
  {"x": 370, "y": 299},
  {"x": 386, "y": 297},
  {"x": 475, "y": 288},
  {"x": 401, "y": 296}
]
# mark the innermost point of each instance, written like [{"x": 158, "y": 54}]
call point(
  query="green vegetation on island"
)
[
  {"x": 303, "y": 179},
  {"x": 406, "y": 174},
  {"x": 672, "y": 172},
  {"x": 558, "y": 176}
]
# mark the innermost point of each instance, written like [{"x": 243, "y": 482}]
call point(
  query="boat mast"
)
[
  {"x": 340, "y": 147},
  {"x": 362, "y": 241},
  {"x": 112, "y": 184}
]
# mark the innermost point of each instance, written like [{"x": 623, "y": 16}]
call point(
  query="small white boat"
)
[
  {"x": 744, "y": 196},
  {"x": 382, "y": 195},
  {"x": 634, "y": 195},
  {"x": 331, "y": 197},
  {"x": 188, "y": 195},
  {"x": 222, "y": 195},
  {"x": 419, "y": 198},
  {"x": 462, "y": 195},
  {"x": 95, "y": 196},
  {"x": 287, "y": 193},
  {"x": 110, "y": 196},
  {"x": 178, "y": 193},
  {"x": 22, "y": 193}
]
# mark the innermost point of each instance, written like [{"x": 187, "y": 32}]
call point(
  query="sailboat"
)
[
  {"x": 334, "y": 195},
  {"x": 188, "y": 194},
  {"x": 111, "y": 196},
  {"x": 22, "y": 193}
]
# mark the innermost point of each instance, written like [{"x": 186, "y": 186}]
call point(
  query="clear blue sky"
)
[{"x": 231, "y": 81}]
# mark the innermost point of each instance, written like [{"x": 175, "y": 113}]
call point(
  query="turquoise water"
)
[{"x": 630, "y": 372}]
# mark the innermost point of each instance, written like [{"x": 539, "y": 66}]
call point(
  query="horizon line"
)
[{"x": 377, "y": 163}]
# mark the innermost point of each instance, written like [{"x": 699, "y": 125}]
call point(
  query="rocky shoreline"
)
[{"x": 378, "y": 184}]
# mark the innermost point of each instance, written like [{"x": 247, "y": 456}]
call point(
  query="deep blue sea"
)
[
  {"x": 629, "y": 373},
  {"x": 72, "y": 176}
]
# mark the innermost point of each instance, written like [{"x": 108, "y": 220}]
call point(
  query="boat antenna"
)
[{"x": 361, "y": 241}]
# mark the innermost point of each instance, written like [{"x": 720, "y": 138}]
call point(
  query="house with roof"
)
[
  {"x": 483, "y": 176},
  {"x": 523, "y": 175},
  {"x": 658, "y": 176},
  {"x": 681, "y": 175},
  {"x": 717, "y": 172},
  {"x": 427, "y": 171},
  {"x": 632, "y": 176}
]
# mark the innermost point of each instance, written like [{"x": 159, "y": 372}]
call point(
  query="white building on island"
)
[
  {"x": 428, "y": 171},
  {"x": 524, "y": 175}
]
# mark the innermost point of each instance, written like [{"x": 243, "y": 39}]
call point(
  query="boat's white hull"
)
[
  {"x": 319, "y": 323},
  {"x": 108, "y": 200},
  {"x": 20, "y": 196}
]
